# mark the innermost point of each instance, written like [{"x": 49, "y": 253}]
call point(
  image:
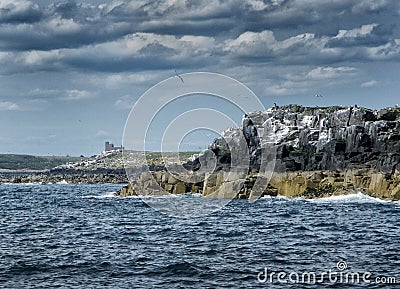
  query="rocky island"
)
[
  {"x": 106, "y": 167},
  {"x": 317, "y": 152}
]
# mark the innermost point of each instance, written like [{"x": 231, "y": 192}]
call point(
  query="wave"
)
[
  {"x": 283, "y": 198},
  {"x": 102, "y": 196},
  {"x": 350, "y": 198},
  {"x": 166, "y": 196},
  {"x": 63, "y": 182},
  {"x": 112, "y": 195}
]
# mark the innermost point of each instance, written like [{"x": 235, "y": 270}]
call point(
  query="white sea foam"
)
[
  {"x": 102, "y": 196},
  {"x": 350, "y": 198},
  {"x": 282, "y": 198},
  {"x": 112, "y": 195},
  {"x": 167, "y": 196},
  {"x": 63, "y": 182},
  {"x": 198, "y": 195}
]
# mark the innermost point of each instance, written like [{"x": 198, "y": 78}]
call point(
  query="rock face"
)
[
  {"x": 152, "y": 183},
  {"x": 332, "y": 138},
  {"x": 319, "y": 152}
]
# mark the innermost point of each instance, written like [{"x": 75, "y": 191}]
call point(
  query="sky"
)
[{"x": 70, "y": 71}]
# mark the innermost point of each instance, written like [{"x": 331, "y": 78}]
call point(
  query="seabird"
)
[{"x": 180, "y": 77}]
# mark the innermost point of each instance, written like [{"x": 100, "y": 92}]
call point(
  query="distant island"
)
[
  {"x": 320, "y": 151},
  {"x": 106, "y": 167}
]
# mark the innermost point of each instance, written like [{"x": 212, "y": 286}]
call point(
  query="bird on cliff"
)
[{"x": 180, "y": 77}]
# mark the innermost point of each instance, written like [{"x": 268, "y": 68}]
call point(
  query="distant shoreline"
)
[{"x": 107, "y": 167}]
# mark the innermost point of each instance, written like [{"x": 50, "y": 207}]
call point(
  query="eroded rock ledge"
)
[
  {"x": 306, "y": 184},
  {"x": 319, "y": 152}
]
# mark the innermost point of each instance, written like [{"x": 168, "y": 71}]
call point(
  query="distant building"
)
[{"x": 110, "y": 147}]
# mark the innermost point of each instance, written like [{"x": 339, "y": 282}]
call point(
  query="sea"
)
[{"x": 81, "y": 236}]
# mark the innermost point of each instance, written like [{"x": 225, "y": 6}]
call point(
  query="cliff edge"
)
[{"x": 317, "y": 152}]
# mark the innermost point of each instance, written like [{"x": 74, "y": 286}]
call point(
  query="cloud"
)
[
  {"x": 389, "y": 51},
  {"x": 325, "y": 73},
  {"x": 62, "y": 25},
  {"x": 43, "y": 93},
  {"x": 101, "y": 133},
  {"x": 32, "y": 26},
  {"x": 309, "y": 48},
  {"x": 136, "y": 52},
  {"x": 124, "y": 102},
  {"x": 40, "y": 95},
  {"x": 285, "y": 87},
  {"x": 74, "y": 25},
  {"x": 77, "y": 95},
  {"x": 8, "y": 106},
  {"x": 371, "y": 6},
  {"x": 118, "y": 80},
  {"x": 263, "y": 46},
  {"x": 138, "y": 36},
  {"x": 19, "y": 11},
  {"x": 370, "y": 83},
  {"x": 356, "y": 32},
  {"x": 368, "y": 35}
]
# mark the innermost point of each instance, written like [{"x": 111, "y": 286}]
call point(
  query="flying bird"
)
[
  {"x": 318, "y": 95},
  {"x": 180, "y": 77}
]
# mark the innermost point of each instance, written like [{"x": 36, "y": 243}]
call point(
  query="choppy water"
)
[{"x": 77, "y": 236}]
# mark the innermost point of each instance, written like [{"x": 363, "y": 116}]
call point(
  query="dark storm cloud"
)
[
  {"x": 72, "y": 25},
  {"x": 19, "y": 12},
  {"x": 146, "y": 35},
  {"x": 58, "y": 33},
  {"x": 107, "y": 22},
  {"x": 141, "y": 51}
]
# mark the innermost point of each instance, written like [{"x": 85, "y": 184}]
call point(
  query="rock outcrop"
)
[{"x": 317, "y": 152}]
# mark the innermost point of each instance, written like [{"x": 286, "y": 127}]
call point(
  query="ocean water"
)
[{"x": 79, "y": 236}]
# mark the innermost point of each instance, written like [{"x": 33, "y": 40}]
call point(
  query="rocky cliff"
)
[{"x": 316, "y": 152}]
